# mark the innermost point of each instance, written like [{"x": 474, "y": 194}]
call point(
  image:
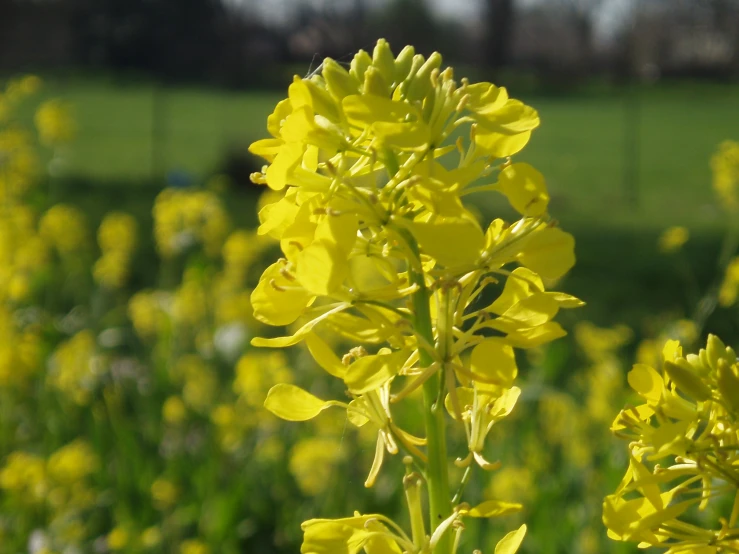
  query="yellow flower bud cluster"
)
[
  {"x": 65, "y": 228},
  {"x": 76, "y": 367},
  {"x": 183, "y": 218},
  {"x": 60, "y": 484},
  {"x": 725, "y": 167},
  {"x": 377, "y": 164},
  {"x": 55, "y": 123},
  {"x": 683, "y": 452},
  {"x": 117, "y": 240}
]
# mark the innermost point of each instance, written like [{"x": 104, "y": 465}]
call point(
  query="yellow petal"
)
[
  {"x": 321, "y": 268},
  {"x": 493, "y": 361},
  {"x": 550, "y": 252},
  {"x": 510, "y": 543},
  {"x": 525, "y": 189},
  {"x": 494, "y": 508},
  {"x": 294, "y": 404},
  {"x": 647, "y": 382},
  {"x": 324, "y": 356},
  {"x": 277, "y": 300},
  {"x": 371, "y": 372},
  {"x": 687, "y": 381},
  {"x": 451, "y": 242}
]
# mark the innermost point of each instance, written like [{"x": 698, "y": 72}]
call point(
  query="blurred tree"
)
[
  {"x": 499, "y": 19},
  {"x": 172, "y": 38}
]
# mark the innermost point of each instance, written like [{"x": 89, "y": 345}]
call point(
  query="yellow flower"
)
[
  {"x": 117, "y": 233},
  {"x": 164, "y": 493},
  {"x": 184, "y": 218},
  {"x": 118, "y": 538},
  {"x": 688, "y": 425},
  {"x": 194, "y": 546},
  {"x": 151, "y": 537},
  {"x": 174, "y": 410},
  {"x": 256, "y": 372},
  {"x": 148, "y": 312},
  {"x": 313, "y": 463},
  {"x": 672, "y": 239},
  {"x": 112, "y": 269},
  {"x": 730, "y": 285},
  {"x": 55, "y": 123},
  {"x": 72, "y": 463},
  {"x": 76, "y": 367},
  {"x": 64, "y": 227},
  {"x": 725, "y": 166},
  {"x": 24, "y": 475}
]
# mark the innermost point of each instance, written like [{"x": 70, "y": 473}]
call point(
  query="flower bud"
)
[
  {"x": 421, "y": 82},
  {"x": 687, "y": 381},
  {"x": 359, "y": 65},
  {"x": 403, "y": 63},
  {"x": 384, "y": 61},
  {"x": 374, "y": 83},
  {"x": 728, "y": 383},
  {"x": 338, "y": 80}
]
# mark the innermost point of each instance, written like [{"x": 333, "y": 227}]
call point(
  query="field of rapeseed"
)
[{"x": 133, "y": 385}]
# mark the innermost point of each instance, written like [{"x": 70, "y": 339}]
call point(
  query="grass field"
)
[{"x": 611, "y": 157}]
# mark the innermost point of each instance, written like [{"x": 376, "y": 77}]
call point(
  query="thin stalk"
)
[{"x": 437, "y": 475}]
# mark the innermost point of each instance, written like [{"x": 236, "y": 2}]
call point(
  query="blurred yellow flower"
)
[
  {"x": 725, "y": 167},
  {"x": 184, "y": 218},
  {"x": 313, "y": 462},
  {"x": 151, "y": 537},
  {"x": 256, "y": 372},
  {"x": 512, "y": 483},
  {"x": 174, "y": 410},
  {"x": 672, "y": 239},
  {"x": 25, "y": 476},
  {"x": 117, "y": 233},
  {"x": 164, "y": 493},
  {"x": 148, "y": 312},
  {"x": 64, "y": 227},
  {"x": 730, "y": 285},
  {"x": 111, "y": 270},
  {"x": 72, "y": 463},
  {"x": 194, "y": 546},
  {"x": 55, "y": 123},
  {"x": 118, "y": 538},
  {"x": 75, "y": 367}
]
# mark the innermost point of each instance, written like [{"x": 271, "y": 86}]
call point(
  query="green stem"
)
[{"x": 437, "y": 474}]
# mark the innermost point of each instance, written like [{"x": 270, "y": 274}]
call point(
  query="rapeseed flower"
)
[
  {"x": 376, "y": 165},
  {"x": 725, "y": 167},
  {"x": 55, "y": 123},
  {"x": 75, "y": 368},
  {"x": 682, "y": 451},
  {"x": 673, "y": 239},
  {"x": 64, "y": 227}
]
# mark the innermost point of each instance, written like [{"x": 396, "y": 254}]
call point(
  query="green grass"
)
[{"x": 596, "y": 151}]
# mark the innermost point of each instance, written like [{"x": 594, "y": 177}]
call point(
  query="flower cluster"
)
[
  {"x": 683, "y": 452},
  {"x": 117, "y": 240},
  {"x": 725, "y": 167},
  {"x": 381, "y": 248}
]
